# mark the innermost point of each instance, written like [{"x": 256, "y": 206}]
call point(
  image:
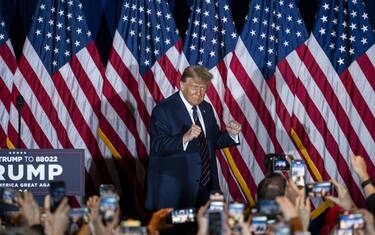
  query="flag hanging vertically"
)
[
  {"x": 261, "y": 80},
  {"x": 210, "y": 39},
  {"x": 334, "y": 107},
  {"x": 59, "y": 77},
  {"x": 8, "y": 66},
  {"x": 142, "y": 70}
]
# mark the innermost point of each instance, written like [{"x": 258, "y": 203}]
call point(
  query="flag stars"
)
[
  {"x": 226, "y": 7},
  {"x": 47, "y": 47},
  {"x": 261, "y": 48},
  {"x": 167, "y": 41},
  {"x": 214, "y": 41},
  {"x": 286, "y": 43},
  {"x": 79, "y": 18},
  {"x": 263, "y": 35},
  {"x": 326, "y": 6},
  {"x": 192, "y": 48},
  {"x": 147, "y": 62},
  {"x": 132, "y": 33},
  {"x": 40, "y": 19},
  {"x": 298, "y": 34},
  {"x": 364, "y": 28},
  {"x": 206, "y": 13},
  {"x": 269, "y": 63},
  {"x": 157, "y": 39},
  {"x": 342, "y": 49},
  {"x": 42, "y": 7},
  {"x": 79, "y": 30},
  {"x": 257, "y": 7},
  {"x": 364, "y": 41},
  {"x": 343, "y": 36},
  {"x": 322, "y": 31},
  {"x": 37, "y": 32},
  {"x": 353, "y": 26},
  {"x": 212, "y": 53},
  {"x": 61, "y": 12},
  {"x": 340, "y": 61},
  {"x": 158, "y": 13},
  {"x": 49, "y": 35},
  {"x": 289, "y": 18},
  {"x": 365, "y": 16},
  {"x": 77, "y": 43},
  {"x": 54, "y": 63},
  {"x": 287, "y": 31},
  {"x": 353, "y": 14},
  {"x": 59, "y": 25},
  {"x": 2, "y": 37},
  {"x": 69, "y": 15},
  {"x": 234, "y": 35},
  {"x": 351, "y": 51},
  {"x": 324, "y": 19},
  {"x": 270, "y": 51},
  {"x": 252, "y": 32},
  {"x": 332, "y": 46},
  {"x": 352, "y": 39},
  {"x": 58, "y": 38},
  {"x": 156, "y": 52},
  {"x": 225, "y": 19}
]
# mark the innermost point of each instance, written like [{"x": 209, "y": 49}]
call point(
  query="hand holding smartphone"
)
[{"x": 319, "y": 189}]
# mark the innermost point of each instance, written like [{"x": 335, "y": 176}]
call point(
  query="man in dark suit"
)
[{"x": 182, "y": 168}]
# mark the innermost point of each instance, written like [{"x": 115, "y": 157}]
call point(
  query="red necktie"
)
[{"x": 202, "y": 142}]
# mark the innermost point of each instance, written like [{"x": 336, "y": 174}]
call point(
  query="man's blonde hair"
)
[{"x": 196, "y": 71}]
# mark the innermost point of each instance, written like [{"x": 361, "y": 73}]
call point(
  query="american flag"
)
[
  {"x": 261, "y": 84},
  {"x": 61, "y": 78},
  {"x": 334, "y": 108},
  {"x": 210, "y": 39},
  {"x": 142, "y": 70},
  {"x": 8, "y": 65}
]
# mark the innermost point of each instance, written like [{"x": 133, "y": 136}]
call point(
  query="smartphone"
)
[
  {"x": 132, "y": 227},
  {"x": 280, "y": 164},
  {"x": 8, "y": 195},
  {"x": 182, "y": 216},
  {"x": 215, "y": 222},
  {"x": 298, "y": 172},
  {"x": 57, "y": 193},
  {"x": 259, "y": 224},
  {"x": 235, "y": 215},
  {"x": 79, "y": 214},
  {"x": 351, "y": 221},
  {"x": 268, "y": 207},
  {"x": 108, "y": 207},
  {"x": 282, "y": 229},
  {"x": 320, "y": 189},
  {"x": 106, "y": 190},
  {"x": 216, "y": 201}
]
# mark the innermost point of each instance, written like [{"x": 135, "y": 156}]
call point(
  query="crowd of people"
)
[{"x": 291, "y": 216}]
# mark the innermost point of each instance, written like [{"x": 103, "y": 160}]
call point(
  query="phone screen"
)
[
  {"x": 321, "y": 189},
  {"x": 8, "y": 195},
  {"x": 215, "y": 222},
  {"x": 351, "y": 221},
  {"x": 108, "y": 207},
  {"x": 298, "y": 172},
  {"x": 235, "y": 213},
  {"x": 268, "y": 207},
  {"x": 259, "y": 224},
  {"x": 280, "y": 164},
  {"x": 57, "y": 192},
  {"x": 183, "y": 216}
]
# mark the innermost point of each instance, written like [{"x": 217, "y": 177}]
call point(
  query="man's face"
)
[{"x": 194, "y": 89}]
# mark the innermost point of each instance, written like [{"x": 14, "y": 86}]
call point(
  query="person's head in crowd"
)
[
  {"x": 194, "y": 83},
  {"x": 271, "y": 186},
  {"x": 24, "y": 230}
]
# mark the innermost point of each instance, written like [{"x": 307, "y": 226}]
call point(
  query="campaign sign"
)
[{"x": 33, "y": 169}]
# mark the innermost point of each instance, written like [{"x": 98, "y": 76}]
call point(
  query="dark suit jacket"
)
[{"x": 174, "y": 174}]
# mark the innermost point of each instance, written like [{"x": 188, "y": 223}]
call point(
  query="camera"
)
[
  {"x": 277, "y": 162},
  {"x": 9, "y": 196},
  {"x": 57, "y": 192},
  {"x": 320, "y": 189},
  {"x": 182, "y": 216}
]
